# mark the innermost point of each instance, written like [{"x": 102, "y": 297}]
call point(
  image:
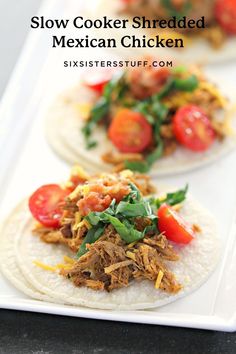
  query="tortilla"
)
[
  {"x": 8, "y": 262},
  {"x": 199, "y": 50},
  {"x": 63, "y": 132},
  {"x": 197, "y": 261}
]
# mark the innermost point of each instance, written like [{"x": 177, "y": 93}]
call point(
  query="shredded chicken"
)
[
  {"x": 147, "y": 266},
  {"x": 116, "y": 158},
  {"x": 161, "y": 244},
  {"x": 48, "y": 235},
  {"x": 108, "y": 264}
]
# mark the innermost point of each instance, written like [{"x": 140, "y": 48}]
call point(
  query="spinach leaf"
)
[
  {"x": 98, "y": 112},
  {"x": 179, "y": 69},
  {"x": 92, "y": 235},
  {"x": 176, "y": 197},
  {"x": 144, "y": 166},
  {"x": 114, "y": 90},
  {"x": 155, "y": 112},
  {"x": 145, "y": 108},
  {"x": 122, "y": 216},
  {"x": 166, "y": 89},
  {"x": 159, "y": 109},
  {"x": 156, "y": 154},
  {"x": 171, "y": 199},
  {"x": 125, "y": 229},
  {"x": 168, "y": 5},
  {"x": 134, "y": 194},
  {"x": 174, "y": 83},
  {"x": 189, "y": 84},
  {"x": 130, "y": 210},
  {"x": 139, "y": 166}
]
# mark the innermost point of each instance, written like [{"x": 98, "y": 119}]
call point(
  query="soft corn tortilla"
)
[
  {"x": 63, "y": 132},
  {"x": 195, "y": 51},
  {"x": 8, "y": 263},
  {"x": 197, "y": 261}
]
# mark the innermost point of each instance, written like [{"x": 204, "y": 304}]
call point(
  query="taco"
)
[
  {"x": 110, "y": 241},
  {"x": 214, "y": 43},
  {"x": 159, "y": 119}
]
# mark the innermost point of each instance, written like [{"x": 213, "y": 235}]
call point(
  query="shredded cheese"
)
[
  {"x": 132, "y": 244},
  {"x": 44, "y": 266},
  {"x": 77, "y": 221},
  {"x": 75, "y": 192},
  {"x": 162, "y": 197},
  {"x": 177, "y": 207},
  {"x": 56, "y": 267},
  {"x": 69, "y": 260},
  {"x": 85, "y": 223},
  {"x": 204, "y": 85},
  {"x": 81, "y": 188},
  {"x": 227, "y": 126},
  {"x": 126, "y": 173},
  {"x": 178, "y": 100},
  {"x": 79, "y": 171},
  {"x": 83, "y": 109},
  {"x": 159, "y": 279},
  {"x": 37, "y": 225},
  {"x": 181, "y": 98},
  {"x": 63, "y": 266},
  {"x": 86, "y": 190},
  {"x": 130, "y": 255}
]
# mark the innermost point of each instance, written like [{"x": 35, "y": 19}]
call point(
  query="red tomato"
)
[
  {"x": 192, "y": 128},
  {"x": 45, "y": 204},
  {"x": 225, "y": 12},
  {"x": 174, "y": 227},
  {"x": 97, "y": 79},
  {"x": 161, "y": 74},
  {"x": 130, "y": 132}
]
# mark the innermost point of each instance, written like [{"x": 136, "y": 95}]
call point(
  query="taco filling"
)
[
  {"x": 150, "y": 112},
  {"x": 117, "y": 229},
  {"x": 219, "y": 16}
]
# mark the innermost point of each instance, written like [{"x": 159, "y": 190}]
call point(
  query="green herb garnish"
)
[
  {"x": 92, "y": 236},
  {"x": 122, "y": 216},
  {"x": 170, "y": 199},
  {"x": 189, "y": 84},
  {"x": 168, "y": 5},
  {"x": 155, "y": 111},
  {"x": 114, "y": 90}
]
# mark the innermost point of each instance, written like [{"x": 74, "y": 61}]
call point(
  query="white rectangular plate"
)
[{"x": 28, "y": 162}]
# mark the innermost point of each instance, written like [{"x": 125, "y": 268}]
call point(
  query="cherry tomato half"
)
[
  {"x": 97, "y": 79},
  {"x": 192, "y": 128},
  {"x": 174, "y": 227},
  {"x": 225, "y": 12},
  {"x": 127, "y": 1},
  {"x": 45, "y": 204},
  {"x": 130, "y": 132}
]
